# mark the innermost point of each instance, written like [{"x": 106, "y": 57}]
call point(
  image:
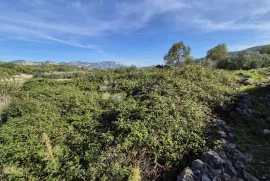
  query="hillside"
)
[
  {"x": 256, "y": 48},
  {"x": 66, "y": 123},
  {"x": 79, "y": 64}
]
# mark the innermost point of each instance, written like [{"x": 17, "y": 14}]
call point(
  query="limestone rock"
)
[
  {"x": 266, "y": 131},
  {"x": 249, "y": 177},
  {"x": 212, "y": 159},
  {"x": 205, "y": 178}
]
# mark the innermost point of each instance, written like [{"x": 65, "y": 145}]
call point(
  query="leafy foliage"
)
[
  {"x": 265, "y": 50},
  {"x": 178, "y": 54},
  {"x": 110, "y": 124},
  {"x": 245, "y": 60},
  {"x": 10, "y": 69},
  {"x": 217, "y": 53}
]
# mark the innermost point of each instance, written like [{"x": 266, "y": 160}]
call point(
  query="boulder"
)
[
  {"x": 225, "y": 177},
  {"x": 266, "y": 131},
  {"x": 205, "y": 178},
  {"x": 267, "y": 120},
  {"x": 222, "y": 134},
  {"x": 247, "y": 82},
  {"x": 197, "y": 165},
  {"x": 230, "y": 146},
  {"x": 223, "y": 155},
  {"x": 212, "y": 159},
  {"x": 247, "y": 176},
  {"x": 228, "y": 167}
]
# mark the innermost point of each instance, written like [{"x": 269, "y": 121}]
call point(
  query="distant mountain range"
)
[
  {"x": 256, "y": 48},
  {"x": 87, "y": 65}
]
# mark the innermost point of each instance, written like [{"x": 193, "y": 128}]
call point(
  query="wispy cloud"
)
[{"x": 60, "y": 21}]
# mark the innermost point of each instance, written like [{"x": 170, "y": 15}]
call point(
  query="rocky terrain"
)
[{"x": 228, "y": 163}]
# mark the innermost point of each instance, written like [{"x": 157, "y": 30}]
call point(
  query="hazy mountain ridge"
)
[{"x": 87, "y": 65}]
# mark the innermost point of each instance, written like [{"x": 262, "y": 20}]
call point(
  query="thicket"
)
[
  {"x": 10, "y": 69},
  {"x": 244, "y": 60},
  {"x": 110, "y": 124}
]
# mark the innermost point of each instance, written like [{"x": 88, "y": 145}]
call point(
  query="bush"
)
[
  {"x": 244, "y": 60},
  {"x": 265, "y": 50},
  {"x": 110, "y": 124}
]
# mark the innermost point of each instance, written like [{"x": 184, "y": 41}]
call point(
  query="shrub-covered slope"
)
[
  {"x": 10, "y": 69},
  {"x": 110, "y": 124}
]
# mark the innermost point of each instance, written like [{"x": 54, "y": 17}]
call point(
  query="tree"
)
[
  {"x": 177, "y": 54},
  {"x": 218, "y": 52},
  {"x": 265, "y": 50}
]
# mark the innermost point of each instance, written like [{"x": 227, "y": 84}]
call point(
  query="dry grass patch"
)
[{"x": 4, "y": 101}]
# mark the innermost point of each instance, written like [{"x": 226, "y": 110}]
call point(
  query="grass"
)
[
  {"x": 261, "y": 75},
  {"x": 250, "y": 137}
]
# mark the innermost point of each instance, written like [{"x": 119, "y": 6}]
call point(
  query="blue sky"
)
[{"x": 129, "y": 31}]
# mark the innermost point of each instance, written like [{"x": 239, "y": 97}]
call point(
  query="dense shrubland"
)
[
  {"x": 245, "y": 61},
  {"x": 217, "y": 57},
  {"x": 10, "y": 69},
  {"x": 111, "y": 124}
]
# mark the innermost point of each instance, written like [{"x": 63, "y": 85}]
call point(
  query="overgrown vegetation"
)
[
  {"x": 245, "y": 61},
  {"x": 217, "y": 57},
  {"x": 10, "y": 69},
  {"x": 118, "y": 124},
  {"x": 218, "y": 52},
  {"x": 127, "y": 123},
  {"x": 250, "y": 135}
]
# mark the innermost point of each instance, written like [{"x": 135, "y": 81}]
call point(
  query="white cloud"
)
[{"x": 61, "y": 20}]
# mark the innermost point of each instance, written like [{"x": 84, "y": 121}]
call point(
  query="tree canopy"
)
[
  {"x": 218, "y": 52},
  {"x": 265, "y": 50},
  {"x": 177, "y": 54}
]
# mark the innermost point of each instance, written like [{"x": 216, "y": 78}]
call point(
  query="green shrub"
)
[
  {"x": 109, "y": 123},
  {"x": 244, "y": 60}
]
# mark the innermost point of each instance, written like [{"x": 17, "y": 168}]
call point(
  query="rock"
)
[
  {"x": 205, "y": 178},
  {"x": 225, "y": 177},
  {"x": 222, "y": 134},
  {"x": 231, "y": 135},
  {"x": 230, "y": 146},
  {"x": 229, "y": 168},
  {"x": 219, "y": 122},
  {"x": 212, "y": 159},
  {"x": 268, "y": 120},
  {"x": 209, "y": 171},
  {"x": 247, "y": 82},
  {"x": 223, "y": 155},
  {"x": 239, "y": 166},
  {"x": 229, "y": 128},
  {"x": 197, "y": 165},
  {"x": 218, "y": 171},
  {"x": 186, "y": 175},
  {"x": 266, "y": 131},
  {"x": 247, "y": 176},
  {"x": 197, "y": 173}
]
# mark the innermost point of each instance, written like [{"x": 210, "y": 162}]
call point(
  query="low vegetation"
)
[
  {"x": 126, "y": 123},
  {"x": 111, "y": 124},
  {"x": 244, "y": 61}
]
